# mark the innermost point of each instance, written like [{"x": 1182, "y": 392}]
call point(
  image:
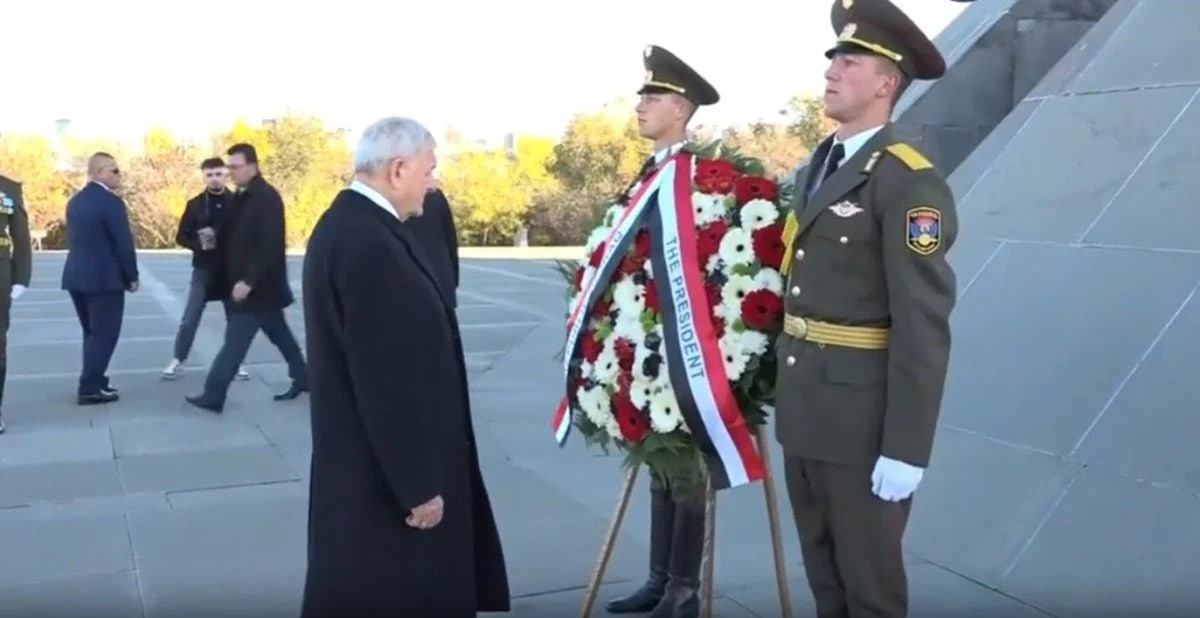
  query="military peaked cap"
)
[
  {"x": 665, "y": 72},
  {"x": 881, "y": 28}
]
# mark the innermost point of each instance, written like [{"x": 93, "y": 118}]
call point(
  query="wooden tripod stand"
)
[{"x": 706, "y": 564}]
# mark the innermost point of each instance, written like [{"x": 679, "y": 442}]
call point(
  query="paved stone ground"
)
[{"x": 148, "y": 507}]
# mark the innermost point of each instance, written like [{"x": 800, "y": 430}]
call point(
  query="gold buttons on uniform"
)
[
  {"x": 799, "y": 254},
  {"x": 791, "y": 360},
  {"x": 796, "y": 291},
  {"x": 843, "y": 240}
]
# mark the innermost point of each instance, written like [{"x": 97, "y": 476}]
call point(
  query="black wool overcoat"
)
[{"x": 391, "y": 429}]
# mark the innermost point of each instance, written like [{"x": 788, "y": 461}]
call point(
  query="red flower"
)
[
  {"x": 624, "y": 383},
  {"x": 762, "y": 309},
  {"x": 632, "y": 263},
  {"x": 713, "y": 291},
  {"x": 708, "y": 241},
  {"x": 579, "y": 278},
  {"x": 715, "y": 176},
  {"x": 754, "y": 188},
  {"x": 768, "y": 245},
  {"x": 652, "y": 297},
  {"x": 634, "y": 425},
  {"x": 624, "y": 349},
  {"x": 591, "y": 347},
  {"x": 601, "y": 308},
  {"x": 597, "y": 255},
  {"x": 718, "y": 326},
  {"x": 641, "y": 243}
]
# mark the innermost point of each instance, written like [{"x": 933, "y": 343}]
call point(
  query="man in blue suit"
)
[{"x": 101, "y": 266}]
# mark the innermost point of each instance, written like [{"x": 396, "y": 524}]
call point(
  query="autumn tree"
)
[
  {"x": 31, "y": 161},
  {"x": 157, "y": 184},
  {"x": 491, "y": 189},
  {"x": 806, "y": 119}
]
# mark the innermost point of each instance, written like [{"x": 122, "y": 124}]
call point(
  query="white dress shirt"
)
[{"x": 374, "y": 196}]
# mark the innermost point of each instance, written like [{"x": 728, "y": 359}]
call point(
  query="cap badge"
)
[
  {"x": 849, "y": 30},
  {"x": 846, "y": 4},
  {"x": 649, "y": 50}
]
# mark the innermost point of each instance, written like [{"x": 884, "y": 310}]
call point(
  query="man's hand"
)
[
  {"x": 133, "y": 287},
  {"x": 241, "y": 290},
  {"x": 427, "y": 515},
  {"x": 894, "y": 480},
  {"x": 17, "y": 291}
]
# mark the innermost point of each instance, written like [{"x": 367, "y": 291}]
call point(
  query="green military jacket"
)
[
  {"x": 867, "y": 250},
  {"x": 16, "y": 254}
]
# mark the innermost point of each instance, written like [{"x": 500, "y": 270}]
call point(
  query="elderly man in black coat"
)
[{"x": 400, "y": 523}]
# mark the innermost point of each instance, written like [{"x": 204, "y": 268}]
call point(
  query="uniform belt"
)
[
  {"x": 5, "y": 241},
  {"x": 824, "y": 333}
]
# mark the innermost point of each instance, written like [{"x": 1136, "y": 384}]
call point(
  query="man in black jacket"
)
[
  {"x": 198, "y": 226},
  {"x": 252, "y": 281},
  {"x": 434, "y": 229}
]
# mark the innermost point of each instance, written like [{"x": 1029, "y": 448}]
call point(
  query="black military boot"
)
[
  {"x": 662, "y": 519},
  {"x": 681, "y": 599}
]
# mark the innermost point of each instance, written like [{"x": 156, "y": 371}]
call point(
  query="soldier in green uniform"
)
[
  {"x": 670, "y": 94},
  {"x": 862, "y": 362},
  {"x": 16, "y": 259}
]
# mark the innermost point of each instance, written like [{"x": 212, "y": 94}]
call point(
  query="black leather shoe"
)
[
  {"x": 662, "y": 520},
  {"x": 98, "y": 398},
  {"x": 291, "y": 393},
  {"x": 205, "y": 404}
]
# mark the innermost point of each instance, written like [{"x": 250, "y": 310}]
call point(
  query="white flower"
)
[
  {"x": 664, "y": 412},
  {"x": 649, "y": 268},
  {"x": 596, "y": 405},
  {"x": 607, "y": 365},
  {"x": 640, "y": 355},
  {"x": 629, "y": 326},
  {"x": 714, "y": 263},
  {"x": 629, "y": 297},
  {"x": 586, "y": 370},
  {"x": 757, "y": 214},
  {"x": 613, "y": 215},
  {"x": 752, "y": 342},
  {"x": 641, "y": 392},
  {"x": 732, "y": 294},
  {"x": 737, "y": 247},
  {"x": 768, "y": 279},
  {"x": 733, "y": 354},
  {"x": 595, "y": 238},
  {"x": 707, "y": 208}
]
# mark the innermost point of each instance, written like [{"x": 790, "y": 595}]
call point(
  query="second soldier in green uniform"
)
[
  {"x": 16, "y": 257},
  {"x": 862, "y": 363}
]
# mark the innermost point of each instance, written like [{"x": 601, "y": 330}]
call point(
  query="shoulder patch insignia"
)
[
  {"x": 924, "y": 229},
  {"x": 909, "y": 156}
]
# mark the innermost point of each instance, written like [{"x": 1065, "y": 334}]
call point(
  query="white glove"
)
[
  {"x": 17, "y": 291},
  {"x": 894, "y": 480}
]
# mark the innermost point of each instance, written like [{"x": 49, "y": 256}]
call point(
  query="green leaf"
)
[
  {"x": 738, "y": 326},
  {"x": 741, "y": 269}
]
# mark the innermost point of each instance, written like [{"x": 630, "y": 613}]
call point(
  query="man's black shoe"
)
[
  {"x": 98, "y": 398},
  {"x": 291, "y": 393},
  {"x": 205, "y": 404}
]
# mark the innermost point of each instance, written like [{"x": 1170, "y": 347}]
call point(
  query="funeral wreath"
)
[{"x": 673, "y": 313}]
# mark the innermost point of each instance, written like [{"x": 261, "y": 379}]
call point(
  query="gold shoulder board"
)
[{"x": 909, "y": 156}]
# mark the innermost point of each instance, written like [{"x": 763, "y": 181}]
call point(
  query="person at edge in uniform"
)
[
  {"x": 670, "y": 96},
  {"x": 15, "y": 249},
  {"x": 863, "y": 358},
  {"x": 198, "y": 230}
]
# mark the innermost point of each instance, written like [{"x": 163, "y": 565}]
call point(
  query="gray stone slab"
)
[
  {"x": 168, "y": 435},
  {"x": 56, "y": 446},
  {"x": 1114, "y": 547},
  {"x": 1150, "y": 430},
  {"x": 40, "y": 549},
  {"x": 103, "y": 595},
  {"x": 969, "y": 256},
  {"x": 297, "y": 489},
  {"x": 1033, "y": 189},
  {"x": 999, "y": 494},
  {"x": 965, "y": 177},
  {"x": 61, "y": 482},
  {"x": 1076, "y": 60},
  {"x": 1157, "y": 209},
  {"x": 209, "y": 469},
  {"x": 1041, "y": 44},
  {"x": 1041, "y": 342},
  {"x": 1145, "y": 51}
]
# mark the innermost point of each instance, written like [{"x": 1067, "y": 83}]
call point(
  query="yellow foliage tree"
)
[{"x": 30, "y": 161}]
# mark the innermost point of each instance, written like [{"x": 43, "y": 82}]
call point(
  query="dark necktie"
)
[
  {"x": 833, "y": 160},
  {"x": 647, "y": 166}
]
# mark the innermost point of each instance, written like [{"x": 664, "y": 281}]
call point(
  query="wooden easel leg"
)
[
  {"x": 781, "y": 578},
  {"x": 707, "y": 556},
  {"x": 614, "y": 528}
]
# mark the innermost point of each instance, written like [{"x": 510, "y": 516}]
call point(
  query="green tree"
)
[
  {"x": 806, "y": 119},
  {"x": 775, "y": 145}
]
